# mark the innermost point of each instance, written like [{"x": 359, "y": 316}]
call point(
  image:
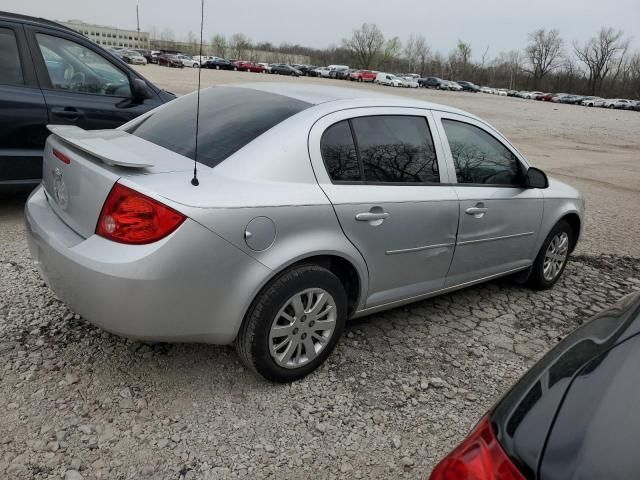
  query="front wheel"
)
[
  {"x": 552, "y": 257},
  {"x": 293, "y": 324}
]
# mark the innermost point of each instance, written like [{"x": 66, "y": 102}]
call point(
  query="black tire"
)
[
  {"x": 252, "y": 340},
  {"x": 536, "y": 280}
]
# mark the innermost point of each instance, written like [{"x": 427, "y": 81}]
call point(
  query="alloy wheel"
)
[
  {"x": 555, "y": 256},
  {"x": 302, "y": 328}
]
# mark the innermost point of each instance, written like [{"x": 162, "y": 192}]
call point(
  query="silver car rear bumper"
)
[{"x": 191, "y": 286}]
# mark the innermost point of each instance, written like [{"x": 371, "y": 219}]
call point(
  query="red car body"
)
[
  {"x": 249, "y": 66},
  {"x": 363, "y": 76}
]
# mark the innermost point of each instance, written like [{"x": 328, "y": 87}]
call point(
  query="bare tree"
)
[
  {"x": 423, "y": 52},
  {"x": 463, "y": 55},
  {"x": 166, "y": 37},
  {"x": 219, "y": 45},
  {"x": 366, "y": 44},
  {"x": 391, "y": 52},
  {"x": 545, "y": 53},
  {"x": 240, "y": 45},
  {"x": 410, "y": 52},
  {"x": 600, "y": 54}
]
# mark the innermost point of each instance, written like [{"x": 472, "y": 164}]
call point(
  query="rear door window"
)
[
  {"x": 339, "y": 153},
  {"x": 10, "y": 65},
  {"x": 396, "y": 149},
  {"x": 230, "y": 118}
]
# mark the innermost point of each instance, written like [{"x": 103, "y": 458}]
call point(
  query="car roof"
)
[
  {"x": 17, "y": 17},
  {"x": 320, "y": 94}
]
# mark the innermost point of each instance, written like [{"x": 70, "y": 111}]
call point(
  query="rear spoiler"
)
[{"x": 110, "y": 146}]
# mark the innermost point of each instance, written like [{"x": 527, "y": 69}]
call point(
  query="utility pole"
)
[{"x": 138, "y": 24}]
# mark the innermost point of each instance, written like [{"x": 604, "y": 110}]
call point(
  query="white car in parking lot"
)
[
  {"x": 188, "y": 61},
  {"x": 389, "y": 80},
  {"x": 323, "y": 72},
  {"x": 410, "y": 82},
  {"x": 616, "y": 103}
]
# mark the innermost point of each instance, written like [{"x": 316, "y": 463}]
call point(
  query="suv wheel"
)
[{"x": 293, "y": 324}]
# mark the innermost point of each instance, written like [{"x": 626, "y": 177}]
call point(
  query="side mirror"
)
[
  {"x": 536, "y": 178},
  {"x": 140, "y": 91}
]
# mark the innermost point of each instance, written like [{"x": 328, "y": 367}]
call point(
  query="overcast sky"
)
[{"x": 503, "y": 25}]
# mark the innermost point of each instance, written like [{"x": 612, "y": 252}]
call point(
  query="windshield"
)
[{"x": 230, "y": 118}]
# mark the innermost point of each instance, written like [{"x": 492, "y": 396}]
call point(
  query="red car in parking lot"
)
[
  {"x": 363, "y": 76},
  {"x": 249, "y": 66}
]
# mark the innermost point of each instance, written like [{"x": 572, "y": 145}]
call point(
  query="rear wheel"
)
[
  {"x": 293, "y": 324},
  {"x": 552, "y": 257}
]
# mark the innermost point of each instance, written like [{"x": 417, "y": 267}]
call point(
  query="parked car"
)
[
  {"x": 339, "y": 72},
  {"x": 188, "y": 61},
  {"x": 512, "y": 93},
  {"x": 170, "y": 60},
  {"x": 532, "y": 95},
  {"x": 266, "y": 66},
  {"x": 570, "y": 416},
  {"x": 154, "y": 56},
  {"x": 591, "y": 101},
  {"x": 468, "y": 86},
  {"x": 306, "y": 70},
  {"x": 133, "y": 57},
  {"x": 333, "y": 68},
  {"x": 557, "y": 98},
  {"x": 571, "y": 99},
  {"x": 250, "y": 67},
  {"x": 430, "y": 82},
  {"x": 219, "y": 64},
  {"x": 201, "y": 59},
  {"x": 114, "y": 52},
  {"x": 363, "y": 76},
  {"x": 634, "y": 105},
  {"x": 50, "y": 74},
  {"x": 502, "y": 92},
  {"x": 388, "y": 79},
  {"x": 619, "y": 103},
  {"x": 147, "y": 54},
  {"x": 411, "y": 82},
  {"x": 283, "y": 69},
  {"x": 322, "y": 72},
  {"x": 485, "y": 89},
  {"x": 143, "y": 245}
]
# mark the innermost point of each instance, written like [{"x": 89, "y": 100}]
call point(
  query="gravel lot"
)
[{"x": 401, "y": 389}]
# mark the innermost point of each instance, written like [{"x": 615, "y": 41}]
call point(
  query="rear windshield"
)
[{"x": 230, "y": 118}]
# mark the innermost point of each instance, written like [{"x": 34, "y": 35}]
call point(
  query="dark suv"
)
[
  {"x": 50, "y": 74},
  {"x": 431, "y": 82}
]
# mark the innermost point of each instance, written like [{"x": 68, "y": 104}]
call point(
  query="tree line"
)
[{"x": 603, "y": 65}]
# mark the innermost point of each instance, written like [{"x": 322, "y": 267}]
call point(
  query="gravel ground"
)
[{"x": 402, "y": 388}]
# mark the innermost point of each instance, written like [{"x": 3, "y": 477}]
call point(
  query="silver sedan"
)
[{"x": 313, "y": 205}]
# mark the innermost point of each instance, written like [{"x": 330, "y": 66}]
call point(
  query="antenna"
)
[{"x": 194, "y": 180}]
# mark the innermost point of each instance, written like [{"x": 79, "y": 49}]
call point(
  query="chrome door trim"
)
[
  {"x": 417, "y": 249},
  {"x": 504, "y": 237},
  {"x": 385, "y": 306}
]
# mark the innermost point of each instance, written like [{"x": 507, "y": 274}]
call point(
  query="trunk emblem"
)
[{"x": 59, "y": 189}]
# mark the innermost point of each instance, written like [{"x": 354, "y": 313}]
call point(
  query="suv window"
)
[
  {"x": 396, "y": 148},
  {"x": 10, "y": 67},
  {"x": 479, "y": 157},
  {"x": 230, "y": 118},
  {"x": 339, "y": 153},
  {"x": 75, "y": 68}
]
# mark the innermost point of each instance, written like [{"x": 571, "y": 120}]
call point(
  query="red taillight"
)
[
  {"x": 130, "y": 217},
  {"x": 61, "y": 156},
  {"x": 479, "y": 457}
]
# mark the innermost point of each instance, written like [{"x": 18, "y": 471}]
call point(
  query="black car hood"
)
[{"x": 524, "y": 416}]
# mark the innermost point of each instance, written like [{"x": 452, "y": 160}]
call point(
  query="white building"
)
[{"x": 110, "y": 36}]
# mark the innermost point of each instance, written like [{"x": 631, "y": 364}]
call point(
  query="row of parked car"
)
[{"x": 572, "y": 99}]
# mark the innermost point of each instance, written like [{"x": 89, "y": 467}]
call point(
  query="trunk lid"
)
[{"x": 92, "y": 161}]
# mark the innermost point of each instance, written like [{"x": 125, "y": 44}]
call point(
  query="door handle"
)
[
  {"x": 68, "y": 112},
  {"x": 369, "y": 216},
  {"x": 478, "y": 211}
]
